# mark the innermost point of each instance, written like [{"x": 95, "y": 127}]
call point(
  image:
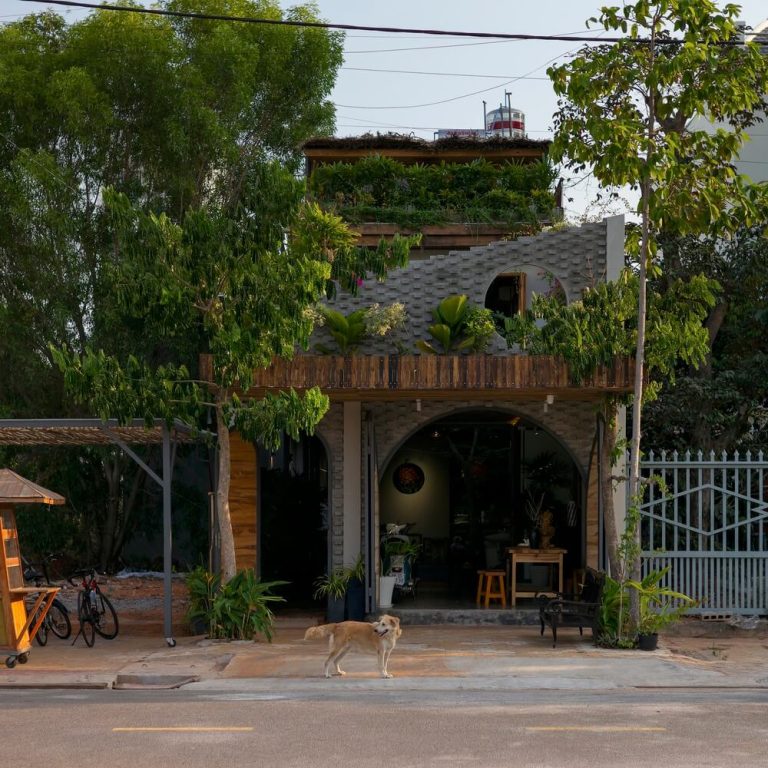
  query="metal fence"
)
[{"x": 707, "y": 518}]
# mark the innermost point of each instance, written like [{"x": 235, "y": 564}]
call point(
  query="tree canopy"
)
[
  {"x": 171, "y": 117},
  {"x": 625, "y": 112}
]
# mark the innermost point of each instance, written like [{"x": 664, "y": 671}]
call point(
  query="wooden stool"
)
[{"x": 490, "y": 586}]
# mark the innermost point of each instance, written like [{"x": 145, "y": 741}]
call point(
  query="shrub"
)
[{"x": 237, "y": 610}]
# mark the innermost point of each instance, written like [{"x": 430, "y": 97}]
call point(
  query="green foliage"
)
[
  {"x": 720, "y": 405},
  {"x": 237, "y": 610},
  {"x": 266, "y": 420},
  {"x": 43, "y": 530},
  {"x": 602, "y": 326},
  {"x": 379, "y": 188},
  {"x": 402, "y": 548},
  {"x": 357, "y": 571},
  {"x": 175, "y": 116},
  {"x": 349, "y": 331},
  {"x": 625, "y": 110},
  {"x": 333, "y": 584},
  {"x": 459, "y": 326},
  {"x": 614, "y": 623},
  {"x": 659, "y": 605}
]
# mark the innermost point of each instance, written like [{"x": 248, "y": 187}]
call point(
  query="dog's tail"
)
[{"x": 319, "y": 632}]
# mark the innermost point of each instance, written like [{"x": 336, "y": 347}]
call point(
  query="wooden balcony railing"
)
[{"x": 387, "y": 377}]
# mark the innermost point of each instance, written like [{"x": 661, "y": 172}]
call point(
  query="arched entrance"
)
[
  {"x": 473, "y": 483},
  {"x": 293, "y": 519}
]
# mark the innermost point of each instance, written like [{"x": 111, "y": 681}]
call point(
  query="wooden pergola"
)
[{"x": 73, "y": 432}]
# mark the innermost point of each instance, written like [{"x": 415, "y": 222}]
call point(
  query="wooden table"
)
[{"x": 518, "y": 555}]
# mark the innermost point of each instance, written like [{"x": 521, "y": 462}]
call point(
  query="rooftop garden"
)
[{"x": 381, "y": 189}]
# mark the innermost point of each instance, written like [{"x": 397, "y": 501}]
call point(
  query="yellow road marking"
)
[
  {"x": 598, "y": 728},
  {"x": 182, "y": 729}
]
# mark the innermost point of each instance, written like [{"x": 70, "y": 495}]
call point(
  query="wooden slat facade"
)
[
  {"x": 434, "y": 239},
  {"x": 243, "y": 500},
  {"x": 393, "y": 377}
]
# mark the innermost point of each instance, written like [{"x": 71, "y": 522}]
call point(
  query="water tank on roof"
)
[{"x": 505, "y": 121}]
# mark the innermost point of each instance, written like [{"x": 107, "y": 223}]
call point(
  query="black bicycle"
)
[
  {"x": 57, "y": 619},
  {"x": 95, "y": 612}
]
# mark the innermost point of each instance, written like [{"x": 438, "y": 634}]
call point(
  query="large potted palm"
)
[{"x": 660, "y": 606}]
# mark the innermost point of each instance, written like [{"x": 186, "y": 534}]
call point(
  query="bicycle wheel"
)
[
  {"x": 58, "y": 620},
  {"x": 41, "y": 638},
  {"x": 85, "y": 617},
  {"x": 105, "y": 618}
]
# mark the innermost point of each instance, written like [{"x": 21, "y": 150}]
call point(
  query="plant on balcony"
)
[
  {"x": 458, "y": 326},
  {"x": 349, "y": 331}
]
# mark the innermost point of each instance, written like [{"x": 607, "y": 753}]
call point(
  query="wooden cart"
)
[{"x": 18, "y": 625}]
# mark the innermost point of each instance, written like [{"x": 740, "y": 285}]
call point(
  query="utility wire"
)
[
  {"x": 441, "y": 74},
  {"x": 356, "y": 27},
  {"x": 456, "y": 98}
]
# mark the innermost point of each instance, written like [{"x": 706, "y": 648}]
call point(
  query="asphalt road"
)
[{"x": 193, "y": 727}]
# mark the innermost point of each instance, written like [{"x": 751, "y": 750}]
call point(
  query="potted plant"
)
[
  {"x": 398, "y": 557},
  {"x": 333, "y": 586},
  {"x": 355, "y": 597},
  {"x": 660, "y": 606}
]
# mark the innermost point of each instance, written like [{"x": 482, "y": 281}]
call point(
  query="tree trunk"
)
[
  {"x": 113, "y": 471},
  {"x": 226, "y": 536},
  {"x": 606, "y": 452}
]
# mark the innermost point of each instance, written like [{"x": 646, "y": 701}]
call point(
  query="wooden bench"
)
[{"x": 580, "y": 610}]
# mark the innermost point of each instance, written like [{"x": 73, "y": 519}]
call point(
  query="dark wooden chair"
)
[{"x": 579, "y": 610}]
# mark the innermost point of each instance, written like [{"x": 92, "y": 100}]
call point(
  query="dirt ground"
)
[{"x": 138, "y": 601}]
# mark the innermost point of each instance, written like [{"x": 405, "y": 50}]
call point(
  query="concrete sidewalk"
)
[{"x": 438, "y": 657}]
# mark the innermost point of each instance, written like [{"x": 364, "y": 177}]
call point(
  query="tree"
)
[
  {"x": 175, "y": 114},
  {"x": 721, "y": 405},
  {"x": 625, "y": 110},
  {"x": 231, "y": 280},
  {"x": 602, "y": 326}
]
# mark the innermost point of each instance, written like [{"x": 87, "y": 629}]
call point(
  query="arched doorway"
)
[
  {"x": 293, "y": 519},
  {"x": 477, "y": 481}
]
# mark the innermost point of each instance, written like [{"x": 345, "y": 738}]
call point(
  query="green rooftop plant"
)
[
  {"x": 349, "y": 331},
  {"x": 458, "y": 326},
  {"x": 379, "y": 188}
]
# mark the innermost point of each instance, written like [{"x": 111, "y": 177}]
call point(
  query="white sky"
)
[{"x": 470, "y": 70}]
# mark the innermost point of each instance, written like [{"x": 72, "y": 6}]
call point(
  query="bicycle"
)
[
  {"x": 95, "y": 612},
  {"x": 57, "y": 618}
]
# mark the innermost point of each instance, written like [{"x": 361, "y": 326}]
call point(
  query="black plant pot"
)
[
  {"x": 355, "y": 602},
  {"x": 334, "y": 611},
  {"x": 648, "y": 642}
]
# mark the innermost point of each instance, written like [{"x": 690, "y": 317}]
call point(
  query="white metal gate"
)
[{"x": 708, "y": 520}]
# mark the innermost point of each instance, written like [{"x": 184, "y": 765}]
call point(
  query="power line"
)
[
  {"x": 356, "y": 27},
  {"x": 456, "y": 98},
  {"x": 441, "y": 74}
]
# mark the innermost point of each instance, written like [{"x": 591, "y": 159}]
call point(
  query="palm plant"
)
[{"x": 458, "y": 326}]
